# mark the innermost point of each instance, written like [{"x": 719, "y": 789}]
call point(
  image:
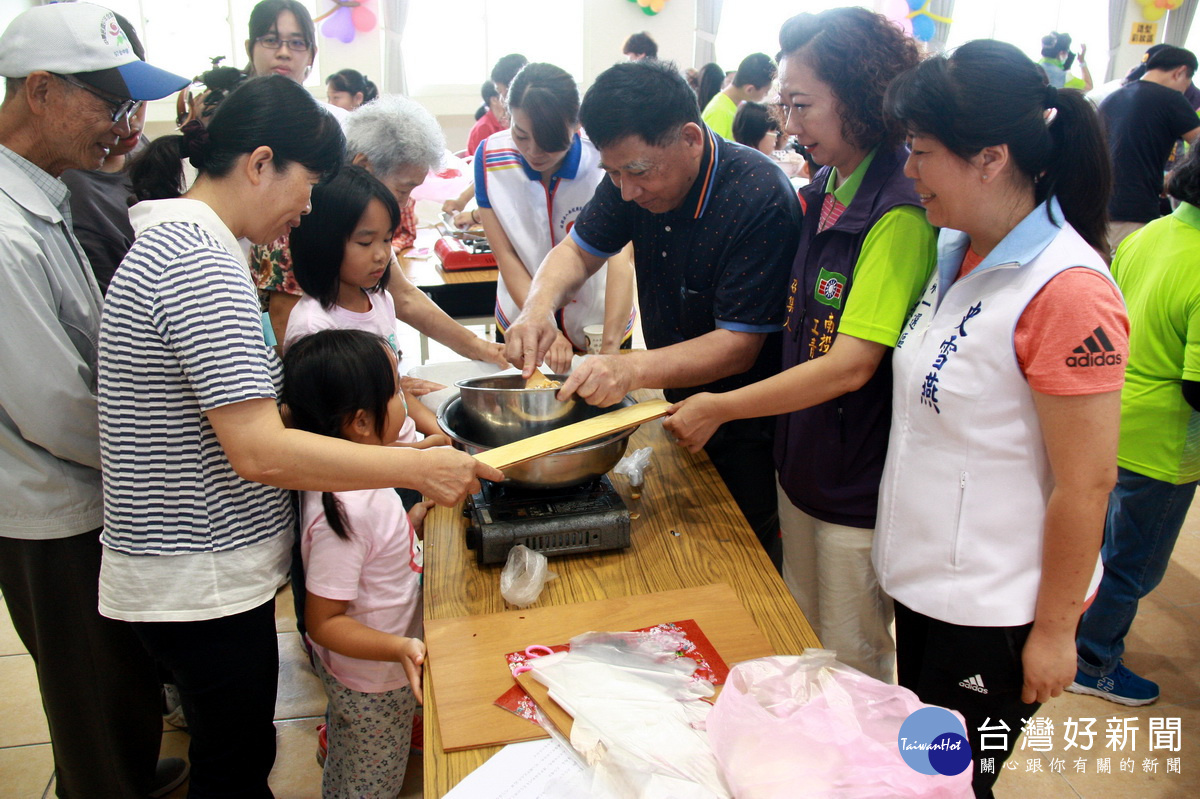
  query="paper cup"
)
[{"x": 595, "y": 337}]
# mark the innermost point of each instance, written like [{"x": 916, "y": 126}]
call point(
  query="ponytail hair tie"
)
[
  {"x": 196, "y": 142},
  {"x": 1051, "y": 98}
]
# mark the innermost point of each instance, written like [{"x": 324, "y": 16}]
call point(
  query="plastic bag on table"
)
[
  {"x": 634, "y": 465},
  {"x": 524, "y": 575},
  {"x": 638, "y": 714},
  {"x": 809, "y": 726}
]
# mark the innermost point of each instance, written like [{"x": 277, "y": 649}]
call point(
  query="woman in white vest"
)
[
  {"x": 1006, "y": 394},
  {"x": 531, "y": 181}
]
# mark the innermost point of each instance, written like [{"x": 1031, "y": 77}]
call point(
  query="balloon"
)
[
  {"x": 364, "y": 18},
  {"x": 339, "y": 26},
  {"x": 922, "y": 27},
  {"x": 1152, "y": 13},
  {"x": 916, "y": 5}
]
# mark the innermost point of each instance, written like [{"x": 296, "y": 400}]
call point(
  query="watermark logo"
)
[{"x": 933, "y": 741}]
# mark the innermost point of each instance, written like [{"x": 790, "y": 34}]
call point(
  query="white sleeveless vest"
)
[
  {"x": 536, "y": 218},
  {"x": 964, "y": 490}
]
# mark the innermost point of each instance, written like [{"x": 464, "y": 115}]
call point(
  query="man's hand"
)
[
  {"x": 601, "y": 380},
  {"x": 448, "y": 476},
  {"x": 528, "y": 340},
  {"x": 694, "y": 420}
]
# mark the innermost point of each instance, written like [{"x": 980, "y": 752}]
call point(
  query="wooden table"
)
[
  {"x": 464, "y": 294},
  {"x": 683, "y": 495}
]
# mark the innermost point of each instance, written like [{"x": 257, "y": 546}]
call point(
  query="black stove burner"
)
[{"x": 587, "y": 518}]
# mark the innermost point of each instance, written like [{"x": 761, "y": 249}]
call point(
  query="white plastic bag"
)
[
  {"x": 634, "y": 465},
  {"x": 787, "y": 727},
  {"x": 638, "y": 715},
  {"x": 524, "y": 575}
]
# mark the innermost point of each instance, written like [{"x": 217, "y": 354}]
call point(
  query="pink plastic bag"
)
[{"x": 809, "y": 726}]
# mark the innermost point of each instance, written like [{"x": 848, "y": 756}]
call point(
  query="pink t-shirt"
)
[
  {"x": 308, "y": 317},
  {"x": 377, "y": 571}
]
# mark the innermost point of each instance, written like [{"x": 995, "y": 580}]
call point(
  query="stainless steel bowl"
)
[
  {"x": 556, "y": 470},
  {"x": 502, "y": 410}
]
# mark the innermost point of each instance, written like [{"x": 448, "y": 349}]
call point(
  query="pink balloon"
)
[
  {"x": 339, "y": 26},
  {"x": 897, "y": 12},
  {"x": 364, "y": 18}
]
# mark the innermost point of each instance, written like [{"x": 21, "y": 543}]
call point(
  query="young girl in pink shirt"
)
[{"x": 362, "y": 562}]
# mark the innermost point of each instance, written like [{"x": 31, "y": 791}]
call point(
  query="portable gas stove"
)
[{"x": 585, "y": 518}]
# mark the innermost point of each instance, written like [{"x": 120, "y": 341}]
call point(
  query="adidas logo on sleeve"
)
[
  {"x": 974, "y": 684},
  {"x": 1096, "y": 350}
]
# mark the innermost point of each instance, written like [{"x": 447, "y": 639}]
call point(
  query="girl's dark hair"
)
[
  {"x": 263, "y": 17},
  {"x": 271, "y": 111},
  {"x": 330, "y": 376},
  {"x": 711, "y": 78},
  {"x": 353, "y": 82},
  {"x": 857, "y": 53},
  {"x": 319, "y": 243},
  {"x": 549, "y": 96},
  {"x": 752, "y": 122},
  {"x": 988, "y": 93},
  {"x": 487, "y": 91},
  {"x": 1184, "y": 181}
]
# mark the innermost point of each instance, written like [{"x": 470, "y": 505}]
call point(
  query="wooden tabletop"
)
[
  {"x": 427, "y": 273},
  {"x": 686, "y": 532}
]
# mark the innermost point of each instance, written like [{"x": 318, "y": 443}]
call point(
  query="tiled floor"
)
[{"x": 1164, "y": 646}]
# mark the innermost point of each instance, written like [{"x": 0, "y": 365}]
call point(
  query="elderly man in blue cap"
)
[{"x": 73, "y": 81}]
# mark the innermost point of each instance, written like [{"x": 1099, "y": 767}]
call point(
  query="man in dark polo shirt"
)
[
  {"x": 1143, "y": 120},
  {"x": 714, "y": 227}
]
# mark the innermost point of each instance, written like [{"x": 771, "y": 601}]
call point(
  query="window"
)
[
  {"x": 1024, "y": 22},
  {"x": 752, "y": 26},
  {"x": 457, "y": 48}
]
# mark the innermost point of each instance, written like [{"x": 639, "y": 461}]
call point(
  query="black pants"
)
[
  {"x": 227, "y": 671},
  {"x": 934, "y": 659},
  {"x": 743, "y": 453},
  {"x": 99, "y": 688}
]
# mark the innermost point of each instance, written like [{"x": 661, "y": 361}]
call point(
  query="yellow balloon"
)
[
  {"x": 1145, "y": 2},
  {"x": 1152, "y": 13}
]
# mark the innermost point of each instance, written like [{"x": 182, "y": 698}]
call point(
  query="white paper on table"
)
[{"x": 530, "y": 770}]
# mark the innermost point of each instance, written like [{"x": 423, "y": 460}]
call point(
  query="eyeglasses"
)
[
  {"x": 273, "y": 42},
  {"x": 121, "y": 109}
]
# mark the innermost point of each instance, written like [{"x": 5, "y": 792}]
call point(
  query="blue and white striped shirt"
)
[{"x": 181, "y": 334}]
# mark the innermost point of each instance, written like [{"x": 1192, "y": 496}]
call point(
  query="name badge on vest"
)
[{"x": 921, "y": 314}]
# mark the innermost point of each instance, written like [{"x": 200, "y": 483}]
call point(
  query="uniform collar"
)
[
  {"x": 698, "y": 196},
  {"x": 845, "y": 192},
  {"x": 569, "y": 167},
  {"x": 1022, "y": 244},
  {"x": 1188, "y": 214},
  {"x": 150, "y": 213}
]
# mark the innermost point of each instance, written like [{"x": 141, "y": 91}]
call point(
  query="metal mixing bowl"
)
[
  {"x": 502, "y": 410},
  {"x": 556, "y": 470}
]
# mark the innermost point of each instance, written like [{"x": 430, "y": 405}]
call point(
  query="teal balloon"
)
[
  {"x": 922, "y": 27},
  {"x": 648, "y": 11}
]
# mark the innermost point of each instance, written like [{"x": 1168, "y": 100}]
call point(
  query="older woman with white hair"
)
[{"x": 399, "y": 142}]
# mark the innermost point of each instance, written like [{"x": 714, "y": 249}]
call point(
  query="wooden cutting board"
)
[
  {"x": 468, "y": 668},
  {"x": 573, "y": 435}
]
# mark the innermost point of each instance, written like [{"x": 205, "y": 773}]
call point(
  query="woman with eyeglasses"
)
[
  {"x": 865, "y": 254},
  {"x": 283, "y": 40}
]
